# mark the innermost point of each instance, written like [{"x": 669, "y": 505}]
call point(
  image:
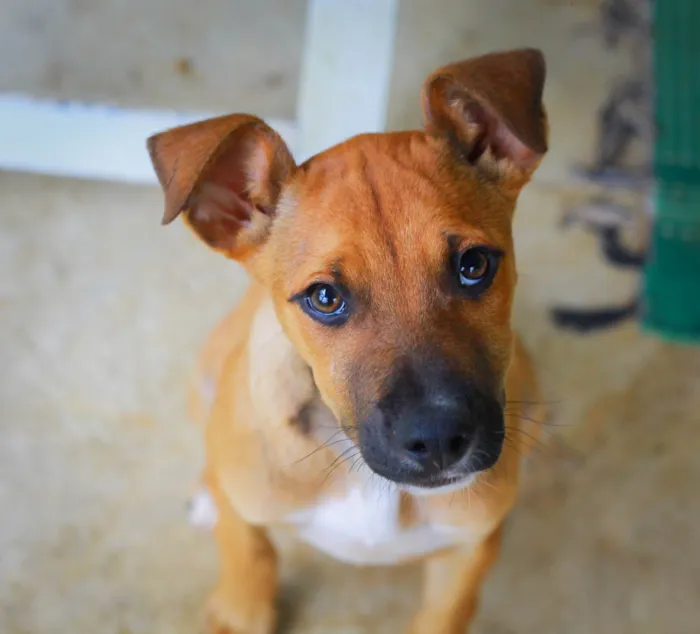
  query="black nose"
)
[
  {"x": 431, "y": 425},
  {"x": 434, "y": 439}
]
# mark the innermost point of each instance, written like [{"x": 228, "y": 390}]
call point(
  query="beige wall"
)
[{"x": 102, "y": 310}]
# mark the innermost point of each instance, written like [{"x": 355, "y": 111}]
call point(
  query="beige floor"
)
[{"x": 101, "y": 312}]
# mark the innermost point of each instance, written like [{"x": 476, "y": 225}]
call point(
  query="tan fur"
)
[{"x": 279, "y": 395}]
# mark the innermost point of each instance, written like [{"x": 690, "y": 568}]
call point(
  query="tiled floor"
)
[{"x": 103, "y": 310}]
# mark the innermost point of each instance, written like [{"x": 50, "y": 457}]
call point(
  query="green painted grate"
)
[{"x": 672, "y": 275}]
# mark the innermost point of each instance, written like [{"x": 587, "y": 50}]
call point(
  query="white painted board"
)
[
  {"x": 89, "y": 141},
  {"x": 346, "y": 70}
]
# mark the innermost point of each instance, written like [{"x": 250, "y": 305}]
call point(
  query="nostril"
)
[
  {"x": 439, "y": 452},
  {"x": 418, "y": 448},
  {"x": 457, "y": 445}
]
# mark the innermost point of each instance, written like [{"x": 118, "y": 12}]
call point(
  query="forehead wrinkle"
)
[
  {"x": 395, "y": 186},
  {"x": 382, "y": 203},
  {"x": 357, "y": 209},
  {"x": 403, "y": 261},
  {"x": 380, "y": 207}
]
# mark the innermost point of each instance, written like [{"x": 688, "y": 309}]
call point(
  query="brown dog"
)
[{"x": 368, "y": 390}]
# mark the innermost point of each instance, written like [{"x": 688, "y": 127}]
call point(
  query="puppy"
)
[{"x": 368, "y": 391}]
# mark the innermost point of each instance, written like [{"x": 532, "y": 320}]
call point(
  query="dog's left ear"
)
[
  {"x": 490, "y": 111},
  {"x": 225, "y": 176}
]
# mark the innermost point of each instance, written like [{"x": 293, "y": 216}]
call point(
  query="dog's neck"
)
[{"x": 282, "y": 386}]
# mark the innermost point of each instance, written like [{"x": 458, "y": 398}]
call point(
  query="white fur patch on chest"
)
[
  {"x": 363, "y": 527},
  {"x": 201, "y": 510}
]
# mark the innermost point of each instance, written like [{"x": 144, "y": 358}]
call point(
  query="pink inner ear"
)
[
  {"x": 218, "y": 213},
  {"x": 226, "y": 192},
  {"x": 491, "y": 132},
  {"x": 506, "y": 144},
  {"x": 222, "y": 202}
]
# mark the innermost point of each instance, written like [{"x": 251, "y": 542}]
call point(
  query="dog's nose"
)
[
  {"x": 437, "y": 452},
  {"x": 435, "y": 440},
  {"x": 431, "y": 426}
]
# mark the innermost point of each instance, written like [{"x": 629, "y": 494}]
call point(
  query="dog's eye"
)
[
  {"x": 325, "y": 302},
  {"x": 473, "y": 267},
  {"x": 325, "y": 299},
  {"x": 476, "y": 267}
]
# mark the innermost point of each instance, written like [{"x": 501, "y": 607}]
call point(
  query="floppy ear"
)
[
  {"x": 225, "y": 175},
  {"x": 490, "y": 110}
]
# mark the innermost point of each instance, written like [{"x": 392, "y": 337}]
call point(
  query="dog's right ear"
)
[
  {"x": 225, "y": 176},
  {"x": 489, "y": 109}
]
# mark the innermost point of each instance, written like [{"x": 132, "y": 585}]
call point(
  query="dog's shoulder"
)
[
  {"x": 271, "y": 438},
  {"x": 223, "y": 347},
  {"x": 525, "y": 410}
]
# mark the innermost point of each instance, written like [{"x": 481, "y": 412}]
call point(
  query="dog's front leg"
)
[
  {"x": 451, "y": 587},
  {"x": 244, "y": 600}
]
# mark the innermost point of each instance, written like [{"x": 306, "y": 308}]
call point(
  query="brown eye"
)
[
  {"x": 325, "y": 299},
  {"x": 474, "y": 265}
]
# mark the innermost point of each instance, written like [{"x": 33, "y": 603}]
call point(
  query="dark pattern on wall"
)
[{"x": 622, "y": 160}]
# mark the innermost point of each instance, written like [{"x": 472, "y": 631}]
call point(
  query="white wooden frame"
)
[{"x": 346, "y": 67}]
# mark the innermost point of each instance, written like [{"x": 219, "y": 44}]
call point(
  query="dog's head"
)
[{"x": 389, "y": 257}]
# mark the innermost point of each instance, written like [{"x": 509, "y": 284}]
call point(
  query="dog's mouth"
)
[
  {"x": 425, "y": 476},
  {"x": 440, "y": 486},
  {"x": 417, "y": 482},
  {"x": 432, "y": 427}
]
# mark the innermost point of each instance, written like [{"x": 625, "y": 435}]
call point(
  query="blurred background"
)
[{"x": 102, "y": 312}]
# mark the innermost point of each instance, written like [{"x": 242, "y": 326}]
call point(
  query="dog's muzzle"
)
[{"x": 432, "y": 429}]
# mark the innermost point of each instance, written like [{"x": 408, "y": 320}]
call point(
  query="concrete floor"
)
[{"x": 103, "y": 310}]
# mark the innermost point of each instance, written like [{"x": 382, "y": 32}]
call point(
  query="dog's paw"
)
[
  {"x": 223, "y": 618},
  {"x": 201, "y": 510},
  {"x": 426, "y": 622}
]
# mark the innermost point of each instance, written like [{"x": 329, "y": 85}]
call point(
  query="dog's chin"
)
[
  {"x": 412, "y": 481},
  {"x": 446, "y": 485},
  {"x": 407, "y": 475}
]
